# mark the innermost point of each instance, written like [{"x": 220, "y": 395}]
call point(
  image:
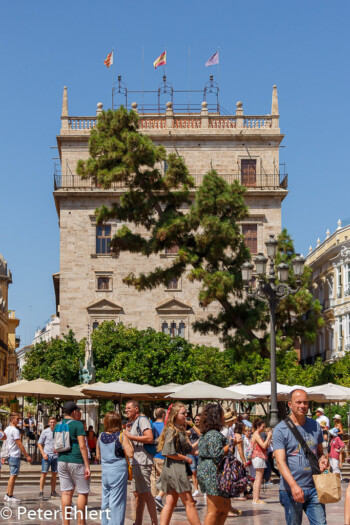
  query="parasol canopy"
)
[
  {"x": 40, "y": 387},
  {"x": 202, "y": 390}
]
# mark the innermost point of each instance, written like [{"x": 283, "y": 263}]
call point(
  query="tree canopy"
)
[
  {"x": 202, "y": 223},
  {"x": 56, "y": 360}
]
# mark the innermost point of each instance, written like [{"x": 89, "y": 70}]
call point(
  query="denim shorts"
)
[
  {"x": 14, "y": 464},
  {"x": 47, "y": 463},
  {"x": 194, "y": 464}
]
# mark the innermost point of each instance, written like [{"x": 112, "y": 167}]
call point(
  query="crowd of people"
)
[{"x": 218, "y": 453}]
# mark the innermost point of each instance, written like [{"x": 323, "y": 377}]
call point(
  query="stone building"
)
[
  {"x": 89, "y": 284},
  {"x": 8, "y": 324},
  {"x": 330, "y": 264}
]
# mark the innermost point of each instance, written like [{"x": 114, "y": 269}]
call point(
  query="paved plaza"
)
[{"x": 271, "y": 513}]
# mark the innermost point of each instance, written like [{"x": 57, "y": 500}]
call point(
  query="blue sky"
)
[{"x": 300, "y": 46}]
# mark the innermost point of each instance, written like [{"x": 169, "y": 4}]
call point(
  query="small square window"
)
[
  {"x": 173, "y": 284},
  {"x": 103, "y": 283},
  {"x": 173, "y": 250}
]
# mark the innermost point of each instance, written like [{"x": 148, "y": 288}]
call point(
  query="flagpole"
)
[
  {"x": 189, "y": 78},
  {"x": 143, "y": 78},
  {"x": 218, "y": 68},
  {"x": 165, "y": 63}
]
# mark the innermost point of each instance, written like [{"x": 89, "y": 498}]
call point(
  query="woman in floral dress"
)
[{"x": 212, "y": 447}]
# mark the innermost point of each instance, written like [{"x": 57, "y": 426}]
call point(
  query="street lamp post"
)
[{"x": 271, "y": 289}]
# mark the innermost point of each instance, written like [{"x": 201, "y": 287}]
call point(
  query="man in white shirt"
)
[
  {"x": 46, "y": 447},
  {"x": 15, "y": 449},
  {"x": 321, "y": 417}
]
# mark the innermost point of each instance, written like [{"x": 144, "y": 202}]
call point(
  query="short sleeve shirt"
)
[
  {"x": 12, "y": 434},
  {"x": 47, "y": 440},
  {"x": 297, "y": 462},
  {"x": 141, "y": 456},
  {"x": 159, "y": 425},
  {"x": 73, "y": 455}
]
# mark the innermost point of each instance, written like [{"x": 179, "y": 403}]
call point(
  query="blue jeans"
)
[{"x": 293, "y": 510}]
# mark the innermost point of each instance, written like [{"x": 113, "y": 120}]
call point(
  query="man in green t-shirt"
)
[{"x": 74, "y": 467}]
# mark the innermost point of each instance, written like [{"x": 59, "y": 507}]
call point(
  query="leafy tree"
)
[
  {"x": 163, "y": 211},
  {"x": 56, "y": 360},
  {"x": 147, "y": 356}
]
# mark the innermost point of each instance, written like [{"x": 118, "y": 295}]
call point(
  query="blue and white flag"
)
[{"x": 214, "y": 59}]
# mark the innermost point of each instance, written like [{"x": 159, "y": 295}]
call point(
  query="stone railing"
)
[
  {"x": 81, "y": 123},
  {"x": 184, "y": 121}
]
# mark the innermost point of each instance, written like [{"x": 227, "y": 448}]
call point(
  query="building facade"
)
[
  {"x": 89, "y": 284},
  {"x": 8, "y": 325},
  {"x": 51, "y": 330},
  {"x": 330, "y": 264}
]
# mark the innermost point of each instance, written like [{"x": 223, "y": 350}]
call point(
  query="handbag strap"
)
[{"x": 308, "y": 453}]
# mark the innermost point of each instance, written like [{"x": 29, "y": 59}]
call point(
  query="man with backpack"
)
[
  {"x": 142, "y": 436},
  {"x": 73, "y": 463}
]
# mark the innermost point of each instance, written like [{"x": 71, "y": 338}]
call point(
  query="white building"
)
[{"x": 50, "y": 331}]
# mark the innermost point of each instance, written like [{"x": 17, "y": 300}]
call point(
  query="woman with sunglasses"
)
[{"x": 174, "y": 446}]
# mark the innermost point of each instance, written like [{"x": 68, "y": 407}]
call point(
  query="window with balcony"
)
[
  {"x": 248, "y": 171},
  {"x": 250, "y": 232},
  {"x": 103, "y": 239},
  {"x": 339, "y": 282},
  {"x": 174, "y": 328},
  {"x": 347, "y": 280},
  {"x": 340, "y": 333}
]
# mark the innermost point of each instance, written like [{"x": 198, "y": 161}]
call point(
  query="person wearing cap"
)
[
  {"x": 336, "y": 446},
  {"x": 73, "y": 466},
  {"x": 321, "y": 417}
]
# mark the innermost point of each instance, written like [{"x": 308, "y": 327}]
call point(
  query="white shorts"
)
[
  {"x": 258, "y": 463},
  {"x": 72, "y": 476},
  {"x": 334, "y": 463}
]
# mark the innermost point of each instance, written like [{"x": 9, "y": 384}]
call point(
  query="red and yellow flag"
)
[
  {"x": 161, "y": 60},
  {"x": 109, "y": 60}
]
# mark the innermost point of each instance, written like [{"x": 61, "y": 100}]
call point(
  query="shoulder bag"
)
[
  {"x": 327, "y": 485},
  {"x": 126, "y": 457}
]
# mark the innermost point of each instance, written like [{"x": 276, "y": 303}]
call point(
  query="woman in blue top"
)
[{"x": 112, "y": 446}]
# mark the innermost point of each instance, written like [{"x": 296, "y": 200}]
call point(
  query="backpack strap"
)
[
  {"x": 310, "y": 456},
  {"x": 138, "y": 424}
]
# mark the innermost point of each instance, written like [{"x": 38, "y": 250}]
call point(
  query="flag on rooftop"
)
[
  {"x": 214, "y": 59},
  {"x": 161, "y": 60},
  {"x": 109, "y": 60}
]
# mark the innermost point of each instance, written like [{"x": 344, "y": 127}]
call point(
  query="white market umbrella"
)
[
  {"x": 260, "y": 391},
  {"x": 330, "y": 392},
  {"x": 202, "y": 390},
  {"x": 40, "y": 388},
  {"x": 120, "y": 389}
]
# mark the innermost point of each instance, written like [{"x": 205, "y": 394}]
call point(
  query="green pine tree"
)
[{"x": 202, "y": 224}]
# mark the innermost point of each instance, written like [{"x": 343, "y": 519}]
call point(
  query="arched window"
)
[
  {"x": 165, "y": 328},
  {"x": 95, "y": 325},
  {"x": 173, "y": 330},
  {"x": 182, "y": 329}
]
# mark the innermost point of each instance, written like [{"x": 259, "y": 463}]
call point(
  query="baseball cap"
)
[
  {"x": 320, "y": 409},
  {"x": 70, "y": 406}
]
